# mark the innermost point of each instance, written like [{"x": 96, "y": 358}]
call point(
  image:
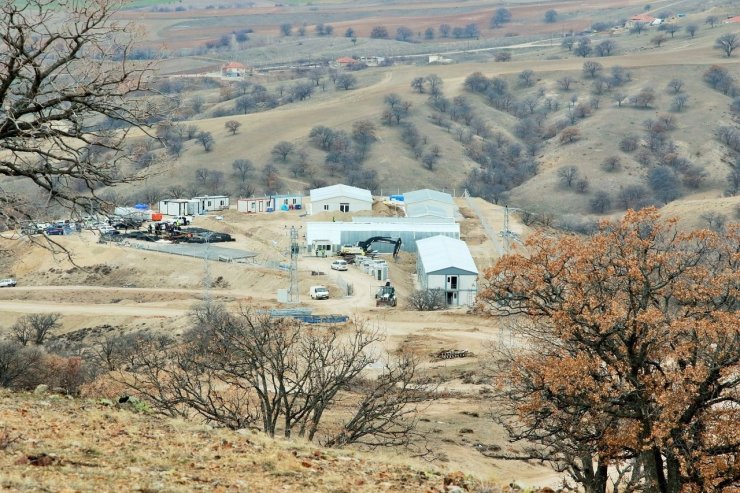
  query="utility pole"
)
[
  {"x": 507, "y": 234},
  {"x": 293, "y": 294},
  {"x": 207, "y": 271}
]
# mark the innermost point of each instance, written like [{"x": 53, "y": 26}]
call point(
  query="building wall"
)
[
  {"x": 333, "y": 205},
  {"x": 216, "y": 203},
  {"x": 255, "y": 205},
  {"x": 464, "y": 294},
  {"x": 174, "y": 208}
]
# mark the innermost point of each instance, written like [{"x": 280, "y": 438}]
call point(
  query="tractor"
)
[{"x": 386, "y": 295}]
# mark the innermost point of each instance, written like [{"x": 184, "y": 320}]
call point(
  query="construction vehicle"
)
[
  {"x": 364, "y": 247},
  {"x": 386, "y": 295}
]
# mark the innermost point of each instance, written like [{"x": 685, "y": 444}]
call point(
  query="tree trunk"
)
[{"x": 652, "y": 463}]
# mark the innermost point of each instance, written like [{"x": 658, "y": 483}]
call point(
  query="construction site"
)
[{"x": 267, "y": 262}]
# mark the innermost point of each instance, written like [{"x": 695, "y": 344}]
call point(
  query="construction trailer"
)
[
  {"x": 421, "y": 202},
  {"x": 180, "y": 207},
  {"x": 213, "y": 202},
  {"x": 325, "y": 238},
  {"x": 340, "y": 198},
  {"x": 271, "y": 203},
  {"x": 445, "y": 263}
]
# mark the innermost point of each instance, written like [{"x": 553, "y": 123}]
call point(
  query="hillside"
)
[
  {"x": 54, "y": 443},
  {"x": 688, "y": 144}
]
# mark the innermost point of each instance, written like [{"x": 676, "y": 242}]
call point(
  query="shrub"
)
[{"x": 427, "y": 300}]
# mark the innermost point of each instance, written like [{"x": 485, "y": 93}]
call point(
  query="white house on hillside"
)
[
  {"x": 445, "y": 263},
  {"x": 421, "y": 202},
  {"x": 340, "y": 198}
]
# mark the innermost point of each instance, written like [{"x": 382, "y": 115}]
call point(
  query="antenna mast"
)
[{"x": 293, "y": 294}]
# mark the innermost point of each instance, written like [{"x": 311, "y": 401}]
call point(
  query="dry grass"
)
[{"x": 89, "y": 446}]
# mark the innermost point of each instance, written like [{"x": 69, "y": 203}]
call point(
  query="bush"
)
[
  {"x": 502, "y": 56},
  {"x": 629, "y": 143},
  {"x": 427, "y": 300}
]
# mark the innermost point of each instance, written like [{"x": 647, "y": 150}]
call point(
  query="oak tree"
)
[{"x": 632, "y": 353}]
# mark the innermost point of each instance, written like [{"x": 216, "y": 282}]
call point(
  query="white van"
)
[{"x": 319, "y": 293}]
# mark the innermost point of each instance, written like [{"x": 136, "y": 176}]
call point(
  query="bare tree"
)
[
  {"x": 672, "y": 28},
  {"x": 566, "y": 82},
  {"x": 526, "y": 77},
  {"x": 715, "y": 220},
  {"x": 282, "y": 150},
  {"x": 242, "y": 169},
  {"x": 417, "y": 83},
  {"x": 570, "y": 135},
  {"x": 605, "y": 48},
  {"x": 611, "y": 164},
  {"x": 644, "y": 98},
  {"x": 64, "y": 66},
  {"x": 691, "y": 29},
  {"x": 675, "y": 86},
  {"x": 232, "y": 126},
  {"x": 567, "y": 175},
  {"x": 427, "y": 300},
  {"x": 206, "y": 140},
  {"x": 659, "y": 39},
  {"x": 600, "y": 202},
  {"x": 435, "y": 84},
  {"x": 712, "y": 20},
  {"x": 35, "y": 327},
  {"x": 727, "y": 43},
  {"x": 346, "y": 81},
  {"x": 197, "y": 102},
  {"x": 16, "y": 363},
  {"x": 679, "y": 102},
  {"x": 292, "y": 372},
  {"x": 592, "y": 69}
]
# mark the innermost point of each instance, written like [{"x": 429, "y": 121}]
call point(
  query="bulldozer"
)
[{"x": 386, "y": 295}]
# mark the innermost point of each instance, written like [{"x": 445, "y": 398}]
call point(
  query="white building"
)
[
  {"x": 428, "y": 213},
  {"x": 213, "y": 203},
  {"x": 445, "y": 263},
  {"x": 287, "y": 202},
  {"x": 422, "y": 202},
  {"x": 180, "y": 207},
  {"x": 256, "y": 204},
  {"x": 340, "y": 198},
  {"x": 328, "y": 237}
]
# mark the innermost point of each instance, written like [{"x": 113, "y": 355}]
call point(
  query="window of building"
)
[
  {"x": 344, "y": 207},
  {"x": 326, "y": 207}
]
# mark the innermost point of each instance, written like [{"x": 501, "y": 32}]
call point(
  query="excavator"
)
[{"x": 363, "y": 247}]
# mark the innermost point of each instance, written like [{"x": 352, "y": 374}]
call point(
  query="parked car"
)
[
  {"x": 339, "y": 265},
  {"x": 54, "y": 231},
  {"x": 7, "y": 283},
  {"x": 108, "y": 230},
  {"x": 319, "y": 293}
]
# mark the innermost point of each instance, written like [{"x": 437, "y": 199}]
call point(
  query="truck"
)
[{"x": 318, "y": 293}]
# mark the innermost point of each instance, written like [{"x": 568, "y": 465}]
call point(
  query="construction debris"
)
[{"x": 452, "y": 354}]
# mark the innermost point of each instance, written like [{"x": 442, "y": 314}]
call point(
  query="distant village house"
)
[{"x": 233, "y": 69}]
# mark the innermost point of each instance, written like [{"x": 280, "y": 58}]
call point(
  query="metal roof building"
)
[
  {"x": 438, "y": 203},
  {"x": 340, "y": 198},
  {"x": 332, "y": 235},
  {"x": 445, "y": 263}
]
